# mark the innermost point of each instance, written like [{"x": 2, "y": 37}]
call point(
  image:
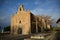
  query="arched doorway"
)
[{"x": 19, "y": 30}]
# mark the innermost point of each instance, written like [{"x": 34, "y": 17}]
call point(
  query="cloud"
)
[
  {"x": 4, "y": 20},
  {"x": 6, "y": 2},
  {"x": 3, "y": 17},
  {"x": 39, "y": 10},
  {"x": 54, "y": 12},
  {"x": 45, "y": 2},
  {"x": 36, "y": 2},
  {"x": 46, "y": 7}
]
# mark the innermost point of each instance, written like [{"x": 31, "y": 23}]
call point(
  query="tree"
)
[
  {"x": 0, "y": 27},
  {"x": 7, "y": 28},
  {"x": 56, "y": 29},
  {"x": 45, "y": 22}
]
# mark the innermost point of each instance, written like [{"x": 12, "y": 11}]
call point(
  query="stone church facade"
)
[
  {"x": 21, "y": 21},
  {"x": 24, "y": 22}
]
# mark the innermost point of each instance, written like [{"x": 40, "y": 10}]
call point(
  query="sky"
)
[{"x": 37, "y": 7}]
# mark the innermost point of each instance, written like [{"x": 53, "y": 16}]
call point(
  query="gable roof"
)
[{"x": 58, "y": 20}]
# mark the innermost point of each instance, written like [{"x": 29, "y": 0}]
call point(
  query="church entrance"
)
[{"x": 19, "y": 30}]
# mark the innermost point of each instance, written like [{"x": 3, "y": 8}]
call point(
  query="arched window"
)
[
  {"x": 19, "y": 21},
  {"x": 20, "y": 9}
]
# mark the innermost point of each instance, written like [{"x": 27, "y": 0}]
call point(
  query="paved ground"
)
[
  {"x": 14, "y": 37},
  {"x": 52, "y": 36},
  {"x": 57, "y": 36}
]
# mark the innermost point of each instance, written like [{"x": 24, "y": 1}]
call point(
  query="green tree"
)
[
  {"x": 7, "y": 28},
  {"x": 57, "y": 29},
  {"x": 0, "y": 28}
]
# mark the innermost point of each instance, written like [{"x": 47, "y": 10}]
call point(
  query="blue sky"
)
[{"x": 37, "y": 7}]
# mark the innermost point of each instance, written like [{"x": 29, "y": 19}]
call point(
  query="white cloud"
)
[
  {"x": 2, "y": 18},
  {"x": 50, "y": 12},
  {"x": 45, "y": 3},
  {"x": 38, "y": 11},
  {"x": 37, "y": 2}
]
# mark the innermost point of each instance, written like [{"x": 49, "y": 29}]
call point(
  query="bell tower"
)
[{"x": 21, "y": 8}]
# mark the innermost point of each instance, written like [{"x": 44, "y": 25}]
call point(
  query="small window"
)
[
  {"x": 19, "y": 21},
  {"x": 20, "y": 9}
]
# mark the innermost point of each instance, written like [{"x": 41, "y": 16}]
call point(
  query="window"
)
[
  {"x": 19, "y": 21},
  {"x": 20, "y": 9}
]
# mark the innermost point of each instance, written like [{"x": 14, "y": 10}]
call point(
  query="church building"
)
[{"x": 24, "y": 22}]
